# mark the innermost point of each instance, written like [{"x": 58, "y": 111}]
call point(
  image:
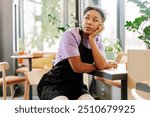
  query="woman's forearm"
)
[
  {"x": 99, "y": 60},
  {"x": 85, "y": 68},
  {"x": 80, "y": 67}
]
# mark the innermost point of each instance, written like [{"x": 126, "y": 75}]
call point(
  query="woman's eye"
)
[
  {"x": 95, "y": 20},
  {"x": 87, "y": 18}
]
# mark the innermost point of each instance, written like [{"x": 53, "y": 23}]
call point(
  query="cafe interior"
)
[{"x": 30, "y": 32}]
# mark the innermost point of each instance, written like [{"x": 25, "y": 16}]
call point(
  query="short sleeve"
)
[{"x": 69, "y": 45}]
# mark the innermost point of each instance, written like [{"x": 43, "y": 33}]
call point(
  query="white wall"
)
[{"x": 6, "y": 47}]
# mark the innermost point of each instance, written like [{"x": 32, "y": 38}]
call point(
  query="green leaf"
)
[
  {"x": 147, "y": 30},
  {"x": 141, "y": 37},
  {"x": 109, "y": 48}
]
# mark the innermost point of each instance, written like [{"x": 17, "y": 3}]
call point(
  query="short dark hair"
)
[{"x": 99, "y": 10}]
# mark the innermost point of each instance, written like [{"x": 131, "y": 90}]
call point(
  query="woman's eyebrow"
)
[{"x": 90, "y": 16}]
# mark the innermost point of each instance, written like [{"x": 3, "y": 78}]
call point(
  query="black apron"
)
[{"x": 61, "y": 80}]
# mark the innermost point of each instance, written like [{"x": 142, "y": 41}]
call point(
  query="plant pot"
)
[
  {"x": 20, "y": 60},
  {"x": 110, "y": 55}
]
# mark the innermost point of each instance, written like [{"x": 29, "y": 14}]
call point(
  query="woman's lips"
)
[{"x": 88, "y": 28}]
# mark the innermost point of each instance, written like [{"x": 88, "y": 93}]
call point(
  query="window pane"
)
[
  {"x": 41, "y": 21},
  {"x": 71, "y": 13},
  {"x": 110, "y": 8},
  {"x": 132, "y": 11}
]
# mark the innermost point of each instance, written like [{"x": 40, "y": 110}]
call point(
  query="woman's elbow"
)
[
  {"x": 100, "y": 67},
  {"x": 76, "y": 70}
]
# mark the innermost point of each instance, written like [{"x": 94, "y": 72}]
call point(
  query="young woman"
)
[{"x": 80, "y": 51}]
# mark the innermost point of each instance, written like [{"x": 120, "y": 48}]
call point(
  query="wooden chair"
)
[
  {"x": 121, "y": 58},
  {"x": 33, "y": 78},
  {"x": 138, "y": 70},
  {"x": 137, "y": 94},
  {"x": 9, "y": 80},
  {"x": 37, "y": 63},
  {"x": 141, "y": 90}
]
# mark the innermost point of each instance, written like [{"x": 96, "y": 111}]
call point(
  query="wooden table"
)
[
  {"x": 29, "y": 57},
  {"x": 26, "y": 56},
  {"x": 115, "y": 74}
]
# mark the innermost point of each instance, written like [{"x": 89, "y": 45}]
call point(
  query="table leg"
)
[
  {"x": 124, "y": 89},
  {"x": 30, "y": 92},
  {"x": 30, "y": 69},
  {"x": 30, "y": 64}
]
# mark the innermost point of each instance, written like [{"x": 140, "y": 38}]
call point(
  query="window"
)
[
  {"x": 132, "y": 11},
  {"x": 110, "y": 7},
  {"x": 41, "y": 19},
  {"x": 40, "y": 32}
]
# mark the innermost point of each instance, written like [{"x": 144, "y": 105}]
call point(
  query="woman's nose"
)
[{"x": 89, "y": 21}]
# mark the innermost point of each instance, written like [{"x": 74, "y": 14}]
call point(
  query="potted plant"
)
[
  {"x": 141, "y": 24},
  {"x": 112, "y": 47},
  {"x": 21, "y": 50}
]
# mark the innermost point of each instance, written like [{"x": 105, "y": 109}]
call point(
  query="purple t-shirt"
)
[{"x": 71, "y": 39}]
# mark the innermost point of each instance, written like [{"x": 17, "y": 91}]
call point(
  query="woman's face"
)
[{"x": 91, "y": 21}]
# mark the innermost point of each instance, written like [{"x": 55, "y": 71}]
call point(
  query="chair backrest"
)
[
  {"x": 3, "y": 66},
  {"x": 138, "y": 68},
  {"x": 136, "y": 96},
  {"x": 35, "y": 76},
  {"x": 121, "y": 57}
]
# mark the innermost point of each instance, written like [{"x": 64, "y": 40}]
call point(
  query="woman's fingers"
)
[
  {"x": 102, "y": 27},
  {"x": 113, "y": 64},
  {"x": 97, "y": 31}
]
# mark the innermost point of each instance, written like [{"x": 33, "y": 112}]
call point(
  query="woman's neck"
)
[{"x": 84, "y": 35}]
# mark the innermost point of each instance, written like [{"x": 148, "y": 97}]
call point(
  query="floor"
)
[
  {"x": 18, "y": 98},
  {"x": 10, "y": 98},
  {"x": 19, "y": 93}
]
